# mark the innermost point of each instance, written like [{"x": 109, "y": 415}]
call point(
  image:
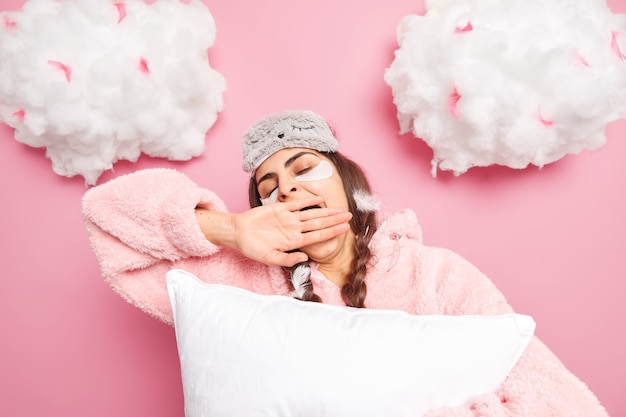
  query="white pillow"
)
[{"x": 244, "y": 354}]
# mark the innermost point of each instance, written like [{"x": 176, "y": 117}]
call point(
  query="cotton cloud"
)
[
  {"x": 97, "y": 81},
  {"x": 509, "y": 82}
]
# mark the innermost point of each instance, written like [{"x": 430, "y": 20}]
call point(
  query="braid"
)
[
  {"x": 363, "y": 224},
  {"x": 355, "y": 290}
]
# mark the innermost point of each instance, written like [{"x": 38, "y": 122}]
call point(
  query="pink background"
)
[{"x": 553, "y": 240}]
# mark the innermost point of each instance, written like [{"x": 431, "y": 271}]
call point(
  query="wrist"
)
[{"x": 217, "y": 227}]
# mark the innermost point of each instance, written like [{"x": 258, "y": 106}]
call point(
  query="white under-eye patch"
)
[
  {"x": 271, "y": 198},
  {"x": 322, "y": 171}
]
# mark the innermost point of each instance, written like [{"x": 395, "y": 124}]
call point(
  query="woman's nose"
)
[{"x": 287, "y": 190}]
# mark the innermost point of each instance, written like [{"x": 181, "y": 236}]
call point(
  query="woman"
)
[{"x": 312, "y": 213}]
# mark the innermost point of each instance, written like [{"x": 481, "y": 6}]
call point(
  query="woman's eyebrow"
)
[
  {"x": 267, "y": 176},
  {"x": 288, "y": 162},
  {"x": 296, "y": 156}
]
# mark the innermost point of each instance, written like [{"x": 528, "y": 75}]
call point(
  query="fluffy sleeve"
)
[
  {"x": 143, "y": 224},
  {"x": 539, "y": 384},
  {"x": 148, "y": 216}
]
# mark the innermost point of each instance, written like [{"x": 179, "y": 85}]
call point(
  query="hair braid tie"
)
[{"x": 301, "y": 279}]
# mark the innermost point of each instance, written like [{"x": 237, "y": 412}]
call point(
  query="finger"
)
[
  {"x": 297, "y": 205},
  {"x": 322, "y": 235},
  {"x": 285, "y": 259},
  {"x": 326, "y": 222},
  {"x": 321, "y": 212}
]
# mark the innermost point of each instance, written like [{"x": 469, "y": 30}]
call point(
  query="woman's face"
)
[{"x": 296, "y": 173}]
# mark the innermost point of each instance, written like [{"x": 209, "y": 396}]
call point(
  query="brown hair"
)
[{"x": 363, "y": 224}]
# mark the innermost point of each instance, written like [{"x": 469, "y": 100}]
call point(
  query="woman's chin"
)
[
  {"x": 320, "y": 251},
  {"x": 329, "y": 249}
]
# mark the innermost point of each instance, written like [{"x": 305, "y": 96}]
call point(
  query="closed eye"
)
[{"x": 271, "y": 198}]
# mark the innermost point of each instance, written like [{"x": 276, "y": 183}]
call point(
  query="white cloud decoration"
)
[
  {"x": 97, "y": 81},
  {"x": 509, "y": 82}
]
